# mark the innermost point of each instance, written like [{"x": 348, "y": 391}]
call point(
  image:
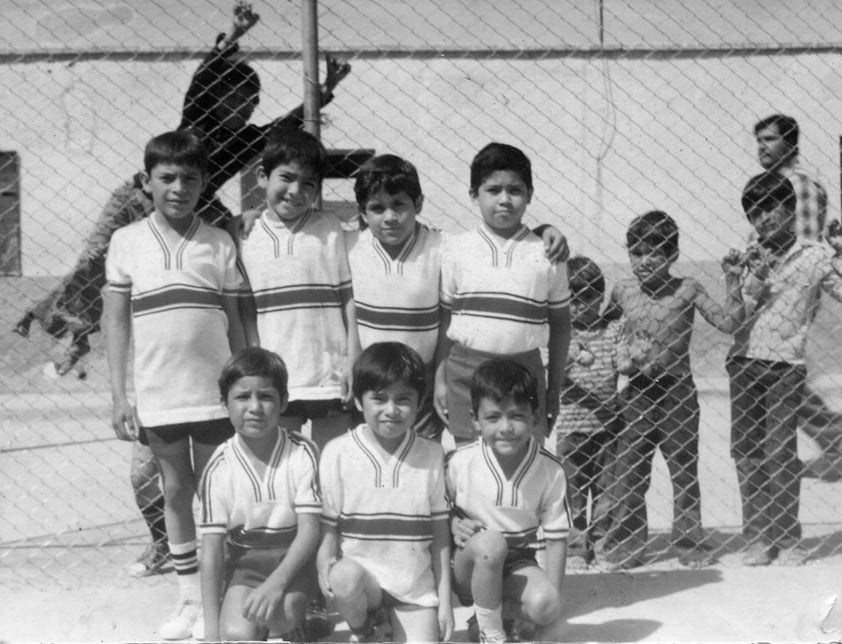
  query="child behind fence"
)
[
  {"x": 588, "y": 420},
  {"x": 662, "y": 408}
]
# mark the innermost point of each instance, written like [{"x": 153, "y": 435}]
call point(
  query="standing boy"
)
[
  {"x": 499, "y": 294},
  {"x": 662, "y": 408},
  {"x": 385, "y": 540},
  {"x": 588, "y": 420},
  {"x": 173, "y": 283},
  {"x": 260, "y": 509},
  {"x": 503, "y": 489},
  {"x": 396, "y": 266},
  {"x": 297, "y": 267},
  {"x": 766, "y": 366}
]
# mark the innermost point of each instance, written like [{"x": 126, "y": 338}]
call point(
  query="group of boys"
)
[
  {"x": 193, "y": 298},
  {"x": 453, "y": 331}
]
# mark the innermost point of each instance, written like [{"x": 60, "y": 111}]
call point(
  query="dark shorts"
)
[
  {"x": 516, "y": 559},
  {"x": 205, "y": 432},
  {"x": 315, "y": 409},
  {"x": 250, "y": 567}
]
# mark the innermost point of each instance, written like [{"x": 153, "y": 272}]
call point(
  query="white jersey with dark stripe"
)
[
  {"x": 499, "y": 291},
  {"x": 383, "y": 507},
  {"x": 260, "y": 511},
  {"x": 180, "y": 327},
  {"x": 528, "y": 508},
  {"x": 397, "y": 299},
  {"x": 299, "y": 276}
]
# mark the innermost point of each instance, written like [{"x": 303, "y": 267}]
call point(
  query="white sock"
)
[{"x": 490, "y": 621}]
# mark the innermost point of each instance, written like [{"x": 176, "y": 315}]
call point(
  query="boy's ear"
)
[
  {"x": 529, "y": 194},
  {"x": 358, "y": 404},
  {"x": 475, "y": 422},
  {"x": 262, "y": 179},
  {"x": 284, "y": 402},
  {"x": 144, "y": 182},
  {"x": 419, "y": 204}
]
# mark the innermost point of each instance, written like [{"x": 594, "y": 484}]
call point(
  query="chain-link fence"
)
[{"x": 623, "y": 107}]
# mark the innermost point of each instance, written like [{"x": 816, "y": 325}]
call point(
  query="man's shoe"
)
[
  {"x": 155, "y": 560},
  {"x": 757, "y": 554},
  {"x": 180, "y": 625}
]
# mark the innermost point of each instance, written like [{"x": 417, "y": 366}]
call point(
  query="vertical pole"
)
[{"x": 310, "y": 59}]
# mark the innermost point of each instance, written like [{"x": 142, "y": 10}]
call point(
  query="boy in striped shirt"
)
[
  {"x": 499, "y": 294},
  {"x": 503, "y": 488}
]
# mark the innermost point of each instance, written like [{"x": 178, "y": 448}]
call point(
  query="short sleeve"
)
[
  {"x": 232, "y": 281},
  {"x": 555, "y": 515},
  {"x": 448, "y": 273},
  {"x": 214, "y": 492},
  {"x": 307, "y": 497},
  {"x": 330, "y": 483},
  {"x": 117, "y": 267},
  {"x": 559, "y": 288},
  {"x": 438, "y": 499}
]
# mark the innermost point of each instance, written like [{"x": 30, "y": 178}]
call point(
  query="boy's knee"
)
[
  {"x": 489, "y": 548},
  {"x": 346, "y": 578},
  {"x": 239, "y": 632},
  {"x": 543, "y": 606}
]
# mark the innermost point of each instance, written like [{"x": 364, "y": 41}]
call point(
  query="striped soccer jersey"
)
[
  {"x": 299, "y": 277},
  {"x": 398, "y": 299},
  {"x": 178, "y": 321},
  {"x": 383, "y": 506},
  {"x": 255, "y": 511},
  {"x": 534, "y": 497},
  {"x": 499, "y": 290}
]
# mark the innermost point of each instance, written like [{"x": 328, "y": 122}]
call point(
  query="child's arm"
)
[
  {"x": 236, "y": 334},
  {"x": 441, "y": 573},
  {"x": 117, "y": 327},
  {"x": 556, "y": 248},
  {"x": 213, "y": 549},
  {"x": 349, "y": 316},
  {"x": 326, "y": 556},
  {"x": 832, "y": 282},
  {"x": 244, "y": 19},
  {"x": 248, "y": 315},
  {"x": 559, "y": 343},
  {"x": 727, "y": 319},
  {"x": 555, "y": 561},
  {"x": 442, "y": 352},
  {"x": 263, "y": 603}
]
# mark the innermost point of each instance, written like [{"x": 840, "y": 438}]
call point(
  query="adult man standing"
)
[{"x": 777, "y": 150}]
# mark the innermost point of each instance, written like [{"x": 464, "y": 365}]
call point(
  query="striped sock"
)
[{"x": 184, "y": 558}]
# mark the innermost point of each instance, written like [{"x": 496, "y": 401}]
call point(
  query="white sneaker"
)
[
  {"x": 198, "y": 632},
  {"x": 180, "y": 625}
]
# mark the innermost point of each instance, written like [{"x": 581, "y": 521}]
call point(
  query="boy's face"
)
[
  {"x": 650, "y": 265},
  {"x": 584, "y": 307},
  {"x": 175, "y": 188},
  {"x": 255, "y": 407},
  {"x": 389, "y": 412},
  {"x": 505, "y": 426},
  {"x": 391, "y": 217},
  {"x": 775, "y": 226},
  {"x": 291, "y": 189},
  {"x": 502, "y": 198}
]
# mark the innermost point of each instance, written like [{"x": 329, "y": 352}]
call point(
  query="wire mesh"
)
[{"x": 623, "y": 107}]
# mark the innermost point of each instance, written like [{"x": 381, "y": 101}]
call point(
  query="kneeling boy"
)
[
  {"x": 261, "y": 500},
  {"x": 385, "y": 541},
  {"x": 503, "y": 488}
]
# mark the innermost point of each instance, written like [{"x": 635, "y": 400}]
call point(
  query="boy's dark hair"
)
[
  {"x": 224, "y": 76},
  {"x": 181, "y": 147},
  {"x": 495, "y": 157},
  {"x": 787, "y": 127},
  {"x": 499, "y": 378},
  {"x": 253, "y": 361},
  {"x": 288, "y": 145},
  {"x": 766, "y": 191},
  {"x": 387, "y": 172},
  {"x": 385, "y": 363},
  {"x": 655, "y": 229},
  {"x": 585, "y": 277}
]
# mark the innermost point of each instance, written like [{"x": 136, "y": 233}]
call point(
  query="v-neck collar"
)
[
  {"x": 262, "y": 486},
  {"x": 507, "y": 487}
]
